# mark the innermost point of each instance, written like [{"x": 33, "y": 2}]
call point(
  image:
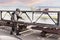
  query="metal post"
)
[
  {"x": 58, "y": 19},
  {"x": 32, "y": 16},
  {"x": 0, "y": 15}
]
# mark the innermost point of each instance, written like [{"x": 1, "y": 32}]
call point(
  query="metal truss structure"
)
[{"x": 32, "y": 18}]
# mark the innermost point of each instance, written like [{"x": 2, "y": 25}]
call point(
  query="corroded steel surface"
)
[{"x": 48, "y": 30}]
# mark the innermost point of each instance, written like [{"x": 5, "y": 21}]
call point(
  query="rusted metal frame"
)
[
  {"x": 51, "y": 18},
  {"x": 48, "y": 30},
  {"x": 29, "y": 11},
  {"x": 39, "y": 17},
  {"x": 28, "y": 17}
]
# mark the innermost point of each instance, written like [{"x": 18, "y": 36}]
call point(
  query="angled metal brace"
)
[
  {"x": 28, "y": 17},
  {"x": 51, "y": 18},
  {"x": 39, "y": 17},
  {"x": 4, "y": 15},
  {"x": 48, "y": 15},
  {"x": 9, "y": 13}
]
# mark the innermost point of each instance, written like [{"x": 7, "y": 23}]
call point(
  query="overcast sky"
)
[{"x": 28, "y": 3}]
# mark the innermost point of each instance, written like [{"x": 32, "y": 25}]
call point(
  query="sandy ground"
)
[{"x": 30, "y": 35}]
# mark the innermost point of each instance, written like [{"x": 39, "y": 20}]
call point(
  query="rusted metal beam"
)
[
  {"x": 48, "y": 30},
  {"x": 29, "y": 11},
  {"x": 26, "y": 23}
]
